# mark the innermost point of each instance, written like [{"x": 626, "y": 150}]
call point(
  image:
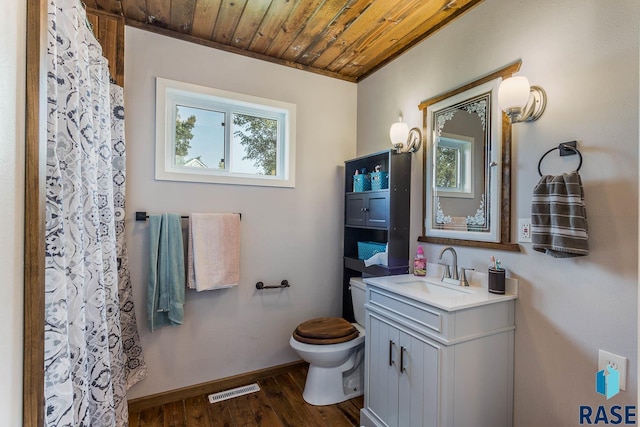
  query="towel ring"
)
[{"x": 571, "y": 146}]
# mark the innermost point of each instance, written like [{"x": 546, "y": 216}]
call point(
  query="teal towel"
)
[{"x": 166, "y": 284}]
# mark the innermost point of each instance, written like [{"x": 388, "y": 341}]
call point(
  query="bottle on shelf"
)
[{"x": 420, "y": 263}]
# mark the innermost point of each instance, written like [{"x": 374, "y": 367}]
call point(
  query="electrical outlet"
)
[
  {"x": 617, "y": 362},
  {"x": 524, "y": 230}
]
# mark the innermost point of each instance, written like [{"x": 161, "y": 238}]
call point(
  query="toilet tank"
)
[{"x": 358, "y": 297}]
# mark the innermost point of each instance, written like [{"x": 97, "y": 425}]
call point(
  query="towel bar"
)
[
  {"x": 142, "y": 216},
  {"x": 283, "y": 284}
]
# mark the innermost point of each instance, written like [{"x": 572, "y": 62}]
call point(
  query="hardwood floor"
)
[{"x": 279, "y": 403}]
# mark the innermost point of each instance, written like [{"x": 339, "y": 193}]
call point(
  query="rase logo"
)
[{"x": 608, "y": 384}]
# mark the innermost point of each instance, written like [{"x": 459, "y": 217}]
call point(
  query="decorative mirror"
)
[{"x": 467, "y": 166}]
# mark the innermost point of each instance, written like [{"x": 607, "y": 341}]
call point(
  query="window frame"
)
[
  {"x": 465, "y": 167},
  {"x": 170, "y": 93}
]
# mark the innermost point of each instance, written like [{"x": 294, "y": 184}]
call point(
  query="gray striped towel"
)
[{"x": 559, "y": 216}]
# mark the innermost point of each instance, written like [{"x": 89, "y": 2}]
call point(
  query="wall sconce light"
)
[
  {"x": 400, "y": 134},
  {"x": 521, "y": 102}
]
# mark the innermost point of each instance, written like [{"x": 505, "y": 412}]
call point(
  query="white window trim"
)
[{"x": 169, "y": 90}]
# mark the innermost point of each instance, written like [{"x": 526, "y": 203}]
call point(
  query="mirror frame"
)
[
  {"x": 488, "y": 188},
  {"x": 505, "y": 208}
]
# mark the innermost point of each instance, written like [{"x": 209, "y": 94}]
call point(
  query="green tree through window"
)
[
  {"x": 184, "y": 134},
  {"x": 447, "y": 169},
  {"x": 259, "y": 137}
]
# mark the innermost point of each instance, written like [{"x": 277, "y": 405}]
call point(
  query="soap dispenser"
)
[{"x": 420, "y": 263}]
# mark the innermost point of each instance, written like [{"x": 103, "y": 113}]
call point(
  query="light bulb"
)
[
  {"x": 399, "y": 132},
  {"x": 514, "y": 93}
]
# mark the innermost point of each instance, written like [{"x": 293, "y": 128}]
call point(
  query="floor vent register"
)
[{"x": 234, "y": 392}]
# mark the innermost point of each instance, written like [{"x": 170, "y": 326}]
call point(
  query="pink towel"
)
[{"x": 213, "y": 254}]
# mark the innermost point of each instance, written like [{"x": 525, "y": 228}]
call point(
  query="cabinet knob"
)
[{"x": 402, "y": 367}]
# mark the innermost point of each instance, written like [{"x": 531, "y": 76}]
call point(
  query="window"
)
[
  {"x": 210, "y": 135},
  {"x": 454, "y": 171}
]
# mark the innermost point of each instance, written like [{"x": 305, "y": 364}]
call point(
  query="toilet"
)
[{"x": 334, "y": 349}]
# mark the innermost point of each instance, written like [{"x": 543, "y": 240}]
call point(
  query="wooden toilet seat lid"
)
[{"x": 325, "y": 330}]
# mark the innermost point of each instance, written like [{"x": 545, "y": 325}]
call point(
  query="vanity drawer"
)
[{"x": 423, "y": 317}]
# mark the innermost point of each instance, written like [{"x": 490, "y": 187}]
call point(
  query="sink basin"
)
[
  {"x": 433, "y": 291},
  {"x": 438, "y": 288}
]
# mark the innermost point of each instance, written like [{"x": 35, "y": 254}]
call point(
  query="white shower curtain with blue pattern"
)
[
  {"x": 85, "y": 372},
  {"x": 134, "y": 365}
]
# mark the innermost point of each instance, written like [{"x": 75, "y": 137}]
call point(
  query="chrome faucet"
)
[
  {"x": 463, "y": 276},
  {"x": 454, "y": 267}
]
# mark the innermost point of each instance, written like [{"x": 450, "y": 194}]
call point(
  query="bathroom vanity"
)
[{"x": 438, "y": 354}]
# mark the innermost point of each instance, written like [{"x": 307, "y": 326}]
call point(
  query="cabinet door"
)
[
  {"x": 418, "y": 382},
  {"x": 377, "y": 209},
  {"x": 367, "y": 209},
  {"x": 402, "y": 376},
  {"x": 355, "y": 209},
  {"x": 381, "y": 396}
]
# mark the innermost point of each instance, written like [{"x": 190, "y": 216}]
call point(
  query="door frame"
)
[{"x": 34, "y": 226}]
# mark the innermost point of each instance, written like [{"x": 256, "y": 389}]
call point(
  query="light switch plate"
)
[
  {"x": 618, "y": 362},
  {"x": 524, "y": 230}
]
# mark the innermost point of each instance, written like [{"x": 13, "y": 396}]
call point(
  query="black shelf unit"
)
[{"x": 376, "y": 216}]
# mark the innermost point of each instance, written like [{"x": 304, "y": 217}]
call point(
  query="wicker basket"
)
[
  {"x": 379, "y": 180},
  {"x": 361, "y": 182}
]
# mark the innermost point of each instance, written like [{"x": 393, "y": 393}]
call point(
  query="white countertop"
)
[{"x": 448, "y": 297}]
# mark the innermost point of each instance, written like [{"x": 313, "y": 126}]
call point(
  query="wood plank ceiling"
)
[{"x": 345, "y": 39}]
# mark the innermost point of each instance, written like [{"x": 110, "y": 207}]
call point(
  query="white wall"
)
[
  {"x": 12, "y": 78},
  {"x": 585, "y": 54},
  {"x": 292, "y": 234}
]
